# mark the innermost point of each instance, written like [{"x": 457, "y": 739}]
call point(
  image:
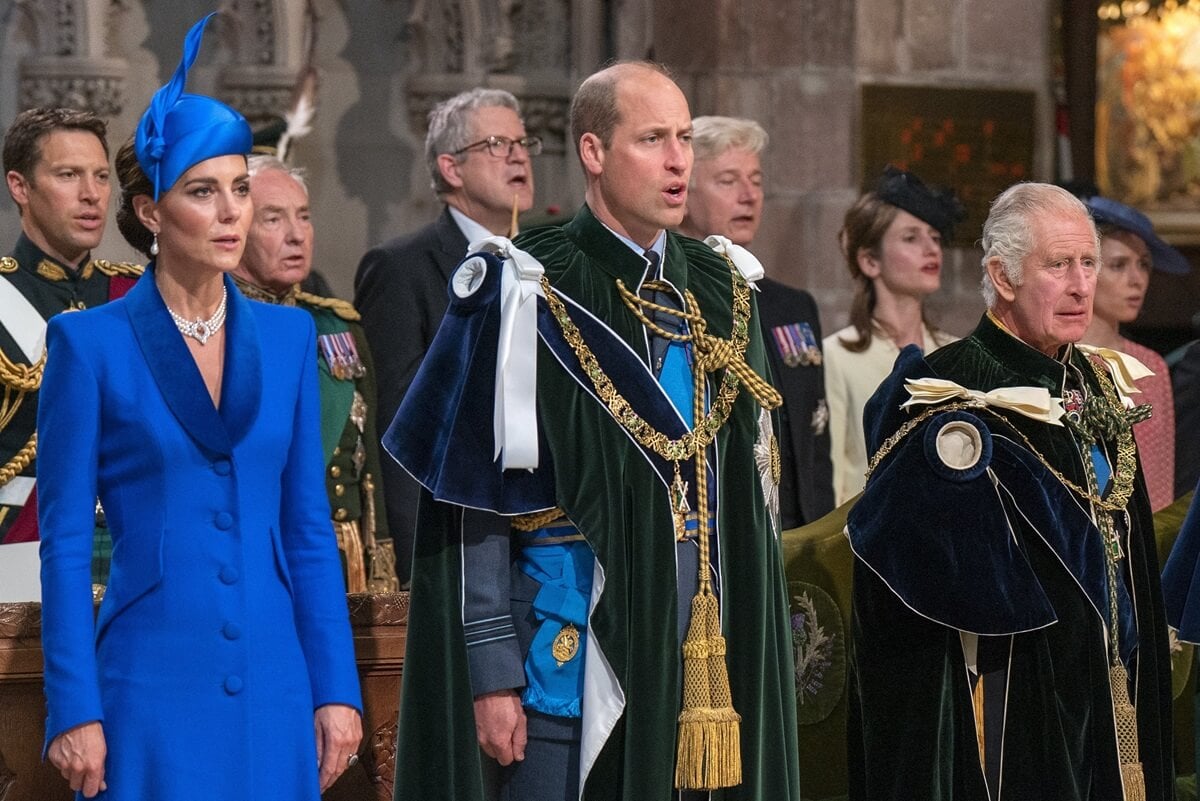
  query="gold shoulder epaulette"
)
[
  {"x": 8, "y": 265},
  {"x": 339, "y": 307},
  {"x": 124, "y": 268}
]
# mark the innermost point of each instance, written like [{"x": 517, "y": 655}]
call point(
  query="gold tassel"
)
[
  {"x": 350, "y": 545},
  {"x": 710, "y": 749},
  {"x": 1125, "y": 716},
  {"x": 709, "y": 754}
]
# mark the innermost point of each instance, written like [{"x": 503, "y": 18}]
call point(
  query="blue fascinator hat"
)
[
  {"x": 179, "y": 130},
  {"x": 1108, "y": 211}
]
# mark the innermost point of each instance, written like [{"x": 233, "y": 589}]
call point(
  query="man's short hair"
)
[
  {"x": 261, "y": 162},
  {"x": 1007, "y": 232},
  {"x": 712, "y": 136},
  {"x": 594, "y": 107},
  {"x": 450, "y": 127},
  {"x": 23, "y": 140}
]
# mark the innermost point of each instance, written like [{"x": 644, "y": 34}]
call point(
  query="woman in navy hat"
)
[
  {"x": 221, "y": 664},
  {"x": 892, "y": 242},
  {"x": 1129, "y": 252}
]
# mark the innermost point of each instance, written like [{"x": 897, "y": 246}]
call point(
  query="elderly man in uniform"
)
[
  {"x": 1009, "y": 633},
  {"x": 278, "y": 256},
  {"x": 478, "y": 154},
  {"x": 725, "y": 198},
  {"x": 597, "y": 389},
  {"x": 56, "y": 166}
]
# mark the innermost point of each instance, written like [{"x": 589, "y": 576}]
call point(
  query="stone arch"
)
[
  {"x": 270, "y": 40},
  {"x": 70, "y": 64}
]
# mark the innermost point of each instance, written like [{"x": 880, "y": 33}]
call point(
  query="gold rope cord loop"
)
[
  {"x": 712, "y": 353},
  {"x": 536, "y": 520},
  {"x": 21, "y": 377},
  {"x": 20, "y": 460}
]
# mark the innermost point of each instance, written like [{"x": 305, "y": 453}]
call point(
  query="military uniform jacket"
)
[
  {"x": 806, "y": 482},
  {"x": 346, "y": 377},
  {"x": 33, "y": 288},
  {"x": 592, "y": 469},
  {"x": 224, "y": 624},
  {"x": 1000, "y": 559}
]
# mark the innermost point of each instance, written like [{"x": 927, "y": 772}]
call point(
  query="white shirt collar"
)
[
  {"x": 659, "y": 246},
  {"x": 473, "y": 231}
]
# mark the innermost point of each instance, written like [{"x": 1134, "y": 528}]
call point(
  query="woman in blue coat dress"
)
[{"x": 221, "y": 664}]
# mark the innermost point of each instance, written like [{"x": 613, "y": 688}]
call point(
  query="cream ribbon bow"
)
[
  {"x": 1123, "y": 368},
  {"x": 749, "y": 266},
  {"x": 1035, "y": 403},
  {"x": 514, "y": 417}
]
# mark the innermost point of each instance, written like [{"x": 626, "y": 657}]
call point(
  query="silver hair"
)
[
  {"x": 450, "y": 127},
  {"x": 712, "y": 136},
  {"x": 1008, "y": 235},
  {"x": 261, "y": 162}
]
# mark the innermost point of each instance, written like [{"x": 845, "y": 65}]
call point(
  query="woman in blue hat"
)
[
  {"x": 220, "y": 665},
  {"x": 1129, "y": 252}
]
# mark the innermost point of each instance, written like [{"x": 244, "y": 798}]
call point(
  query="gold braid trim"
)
[
  {"x": 125, "y": 268},
  {"x": 20, "y": 460},
  {"x": 339, "y": 307}
]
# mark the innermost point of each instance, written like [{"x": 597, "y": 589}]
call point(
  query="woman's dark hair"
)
[
  {"x": 863, "y": 228},
  {"x": 133, "y": 182}
]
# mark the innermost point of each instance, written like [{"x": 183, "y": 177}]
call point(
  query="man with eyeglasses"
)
[{"x": 479, "y": 159}]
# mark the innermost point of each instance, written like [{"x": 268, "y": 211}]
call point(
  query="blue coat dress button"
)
[
  {"x": 229, "y": 575},
  {"x": 221, "y": 467},
  {"x": 233, "y": 685},
  {"x": 232, "y": 631},
  {"x": 224, "y": 521}
]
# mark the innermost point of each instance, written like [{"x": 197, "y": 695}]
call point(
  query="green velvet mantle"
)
[
  {"x": 607, "y": 488},
  {"x": 911, "y": 724}
]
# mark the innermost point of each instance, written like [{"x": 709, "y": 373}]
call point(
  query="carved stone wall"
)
[{"x": 795, "y": 66}]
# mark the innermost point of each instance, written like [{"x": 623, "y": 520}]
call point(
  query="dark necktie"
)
[{"x": 669, "y": 322}]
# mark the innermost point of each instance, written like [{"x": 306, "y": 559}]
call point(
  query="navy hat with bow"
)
[
  {"x": 178, "y": 131},
  {"x": 937, "y": 207},
  {"x": 1106, "y": 211}
]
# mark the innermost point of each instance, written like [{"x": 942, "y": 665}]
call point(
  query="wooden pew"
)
[{"x": 379, "y": 622}]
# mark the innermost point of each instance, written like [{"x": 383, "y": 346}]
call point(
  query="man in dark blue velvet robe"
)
[{"x": 1008, "y": 618}]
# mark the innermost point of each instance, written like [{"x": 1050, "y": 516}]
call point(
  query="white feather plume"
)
[{"x": 299, "y": 117}]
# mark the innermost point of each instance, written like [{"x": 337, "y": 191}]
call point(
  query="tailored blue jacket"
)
[{"x": 224, "y": 624}]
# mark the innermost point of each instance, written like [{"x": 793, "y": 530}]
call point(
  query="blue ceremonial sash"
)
[{"x": 564, "y": 571}]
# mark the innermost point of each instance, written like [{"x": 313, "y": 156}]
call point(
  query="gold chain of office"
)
[
  {"x": 712, "y": 353},
  {"x": 1116, "y": 422}
]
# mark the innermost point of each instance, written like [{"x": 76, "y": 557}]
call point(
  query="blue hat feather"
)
[{"x": 178, "y": 131}]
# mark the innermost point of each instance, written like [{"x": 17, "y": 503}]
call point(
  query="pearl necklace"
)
[{"x": 198, "y": 329}]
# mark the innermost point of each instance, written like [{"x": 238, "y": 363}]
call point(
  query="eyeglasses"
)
[{"x": 501, "y": 147}]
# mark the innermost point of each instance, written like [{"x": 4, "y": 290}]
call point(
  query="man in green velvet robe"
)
[
  {"x": 1009, "y": 640},
  {"x": 583, "y": 684}
]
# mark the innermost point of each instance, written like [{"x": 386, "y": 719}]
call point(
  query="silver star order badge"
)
[{"x": 770, "y": 466}]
